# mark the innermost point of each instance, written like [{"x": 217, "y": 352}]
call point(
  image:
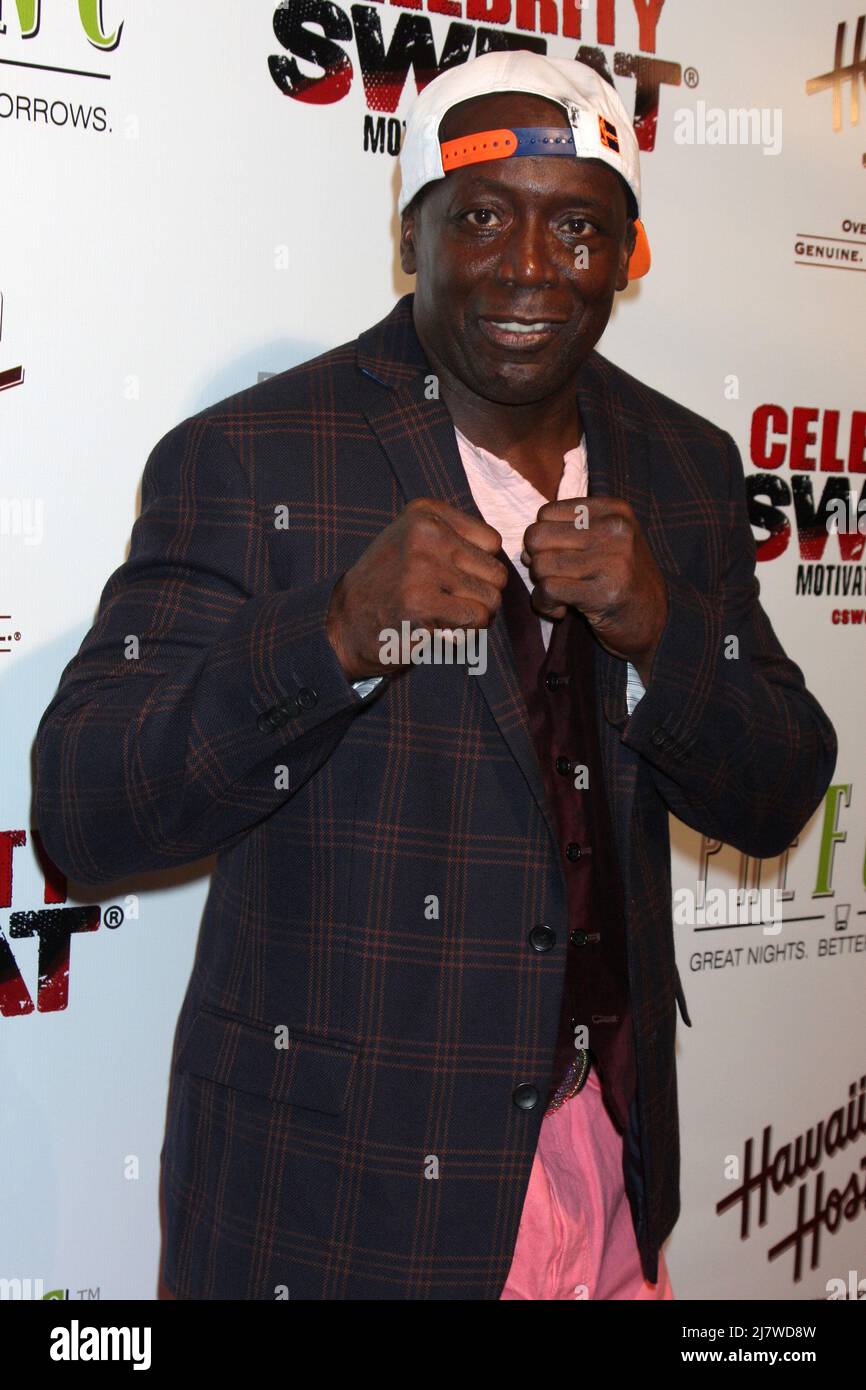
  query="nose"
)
[{"x": 527, "y": 254}]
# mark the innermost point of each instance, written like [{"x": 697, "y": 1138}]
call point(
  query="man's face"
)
[{"x": 498, "y": 241}]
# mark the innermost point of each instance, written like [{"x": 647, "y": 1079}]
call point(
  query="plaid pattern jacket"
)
[{"x": 365, "y": 1001}]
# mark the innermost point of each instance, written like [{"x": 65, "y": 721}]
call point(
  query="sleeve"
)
[
  {"x": 202, "y": 698},
  {"x": 737, "y": 746}
]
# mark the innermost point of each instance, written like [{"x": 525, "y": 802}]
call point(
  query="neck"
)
[
  {"x": 533, "y": 438},
  {"x": 519, "y": 430}
]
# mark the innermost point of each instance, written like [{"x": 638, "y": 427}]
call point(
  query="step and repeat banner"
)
[{"x": 195, "y": 196}]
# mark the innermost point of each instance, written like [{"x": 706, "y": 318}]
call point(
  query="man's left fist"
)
[{"x": 590, "y": 553}]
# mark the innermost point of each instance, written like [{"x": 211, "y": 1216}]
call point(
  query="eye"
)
[
  {"x": 582, "y": 224},
  {"x": 486, "y": 217}
]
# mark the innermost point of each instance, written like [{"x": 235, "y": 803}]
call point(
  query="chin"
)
[{"x": 522, "y": 389}]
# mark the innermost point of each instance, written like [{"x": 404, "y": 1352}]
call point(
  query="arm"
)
[
  {"x": 737, "y": 747},
  {"x": 155, "y": 760}
]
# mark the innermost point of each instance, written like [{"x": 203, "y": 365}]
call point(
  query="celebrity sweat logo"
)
[
  {"x": 353, "y": 38},
  {"x": 53, "y": 926},
  {"x": 809, "y": 488}
]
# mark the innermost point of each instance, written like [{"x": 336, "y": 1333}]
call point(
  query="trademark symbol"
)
[
  {"x": 113, "y": 916},
  {"x": 690, "y": 77}
]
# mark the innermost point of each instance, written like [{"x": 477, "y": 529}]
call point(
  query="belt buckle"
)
[{"x": 575, "y": 1080}]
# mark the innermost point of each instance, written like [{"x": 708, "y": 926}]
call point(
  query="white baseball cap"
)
[{"x": 599, "y": 126}]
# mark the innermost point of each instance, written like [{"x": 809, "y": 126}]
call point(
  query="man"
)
[{"x": 427, "y": 1049}]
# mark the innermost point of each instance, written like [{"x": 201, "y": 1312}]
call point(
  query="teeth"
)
[{"x": 513, "y": 327}]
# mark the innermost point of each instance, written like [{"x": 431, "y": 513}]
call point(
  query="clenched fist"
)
[
  {"x": 433, "y": 566},
  {"x": 590, "y": 553}
]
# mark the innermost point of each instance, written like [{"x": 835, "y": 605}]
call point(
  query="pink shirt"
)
[{"x": 510, "y": 503}]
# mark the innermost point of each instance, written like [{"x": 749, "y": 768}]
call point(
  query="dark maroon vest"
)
[{"x": 559, "y": 691}]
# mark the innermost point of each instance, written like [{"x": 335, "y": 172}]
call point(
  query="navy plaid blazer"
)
[{"x": 365, "y": 1000}]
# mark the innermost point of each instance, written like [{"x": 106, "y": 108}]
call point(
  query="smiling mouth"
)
[{"x": 521, "y": 334}]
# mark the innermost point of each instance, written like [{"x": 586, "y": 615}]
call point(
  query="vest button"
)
[
  {"x": 525, "y": 1096},
  {"x": 573, "y": 851},
  {"x": 542, "y": 937},
  {"x": 554, "y": 681},
  {"x": 563, "y": 766},
  {"x": 578, "y": 937}
]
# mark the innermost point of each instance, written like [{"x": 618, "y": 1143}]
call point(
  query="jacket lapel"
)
[
  {"x": 416, "y": 433},
  {"x": 619, "y": 466}
]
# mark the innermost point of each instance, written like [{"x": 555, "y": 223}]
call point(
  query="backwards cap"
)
[{"x": 598, "y": 126}]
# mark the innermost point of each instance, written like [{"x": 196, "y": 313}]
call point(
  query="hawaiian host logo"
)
[
  {"x": 832, "y": 251},
  {"x": 799, "y": 1164},
  {"x": 842, "y": 72}
]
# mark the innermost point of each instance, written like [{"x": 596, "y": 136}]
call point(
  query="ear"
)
[
  {"x": 625, "y": 255},
  {"x": 407, "y": 243}
]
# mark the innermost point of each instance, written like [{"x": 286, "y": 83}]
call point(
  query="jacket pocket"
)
[
  {"x": 681, "y": 1000},
  {"x": 311, "y": 1071}
]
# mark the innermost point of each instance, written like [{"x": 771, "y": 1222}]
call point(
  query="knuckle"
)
[
  {"x": 411, "y": 597},
  {"x": 424, "y": 527},
  {"x": 494, "y": 600},
  {"x": 610, "y": 594}
]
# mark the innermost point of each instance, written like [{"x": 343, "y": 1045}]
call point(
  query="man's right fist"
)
[{"x": 434, "y": 567}]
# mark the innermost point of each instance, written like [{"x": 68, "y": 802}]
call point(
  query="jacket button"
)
[
  {"x": 573, "y": 851},
  {"x": 563, "y": 766},
  {"x": 265, "y": 723},
  {"x": 307, "y": 698},
  {"x": 578, "y": 937},
  {"x": 542, "y": 937},
  {"x": 525, "y": 1096},
  {"x": 659, "y": 738},
  {"x": 288, "y": 707}
]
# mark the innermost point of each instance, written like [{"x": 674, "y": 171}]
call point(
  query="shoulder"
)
[
  {"x": 215, "y": 445},
  {"x": 296, "y": 387},
  {"x": 645, "y": 408}
]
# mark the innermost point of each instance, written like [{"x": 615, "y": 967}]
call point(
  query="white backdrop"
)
[{"x": 174, "y": 224}]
